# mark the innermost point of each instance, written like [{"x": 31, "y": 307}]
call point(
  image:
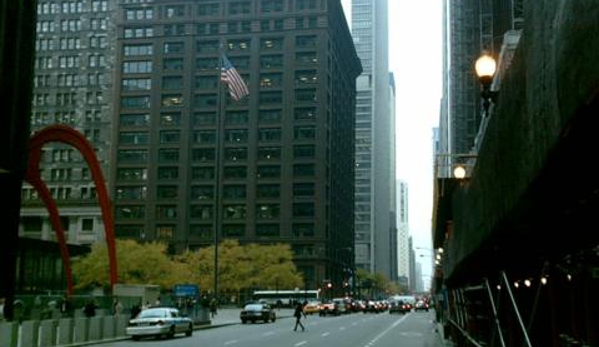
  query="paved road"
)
[{"x": 354, "y": 330}]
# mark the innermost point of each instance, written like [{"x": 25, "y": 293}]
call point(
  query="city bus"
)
[{"x": 285, "y": 297}]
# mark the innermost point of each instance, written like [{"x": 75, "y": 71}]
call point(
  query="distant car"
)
[
  {"x": 421, "y": 305},
  {"x": 312, "y": 307},
  {"x": 163, "y": 321},
  {"x": 254, "y": 312},
  {"x": 399, "y": 307},
  {"x": 328, "y": 307}
]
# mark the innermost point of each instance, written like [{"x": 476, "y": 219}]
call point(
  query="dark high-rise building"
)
[{"x": 275, "y": 166}]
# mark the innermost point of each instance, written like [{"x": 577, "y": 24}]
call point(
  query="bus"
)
[{"x": 285, "y": 297}]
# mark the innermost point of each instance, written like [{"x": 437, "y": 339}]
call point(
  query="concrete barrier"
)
[
  {"x": 109, "y": 324},
  {"x": 9, "y": 333},
  {"x": 48, "y": 332},
  {"x": 65, "y": 331},
  {"x": 29, "y": 333},
  {"x": 95, "y": 328},
  {"x": 81, "y": 330},
  {"x": 121, "y": 325}
]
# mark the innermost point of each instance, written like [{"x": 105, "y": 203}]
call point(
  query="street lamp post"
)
[{"x": 485, "y": 67}]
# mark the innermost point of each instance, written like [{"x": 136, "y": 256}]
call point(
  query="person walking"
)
[{"x": 298, "y": 313}]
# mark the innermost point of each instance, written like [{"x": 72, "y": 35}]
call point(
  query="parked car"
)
[
  {"x": 421, "y": 305},
  {"x": 162, "y": 321},
  {"x": 312, "y": 307},
  {"x": 254, "y": 312}
]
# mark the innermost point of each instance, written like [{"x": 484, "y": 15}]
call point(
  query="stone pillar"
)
[
  {"x": 29, "y": 333},
  {"x": 47, "y": 336},
  {"x": 9, "y": 334},
  {"x": 65, "y": 331}
]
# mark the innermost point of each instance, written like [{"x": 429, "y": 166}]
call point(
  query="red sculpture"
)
[{"x": 65, "y": 134}]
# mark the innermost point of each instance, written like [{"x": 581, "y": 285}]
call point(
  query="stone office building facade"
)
[{"x": 276, "y": 166}]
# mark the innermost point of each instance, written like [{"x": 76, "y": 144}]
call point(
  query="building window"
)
[
  {"x": 303, "y": 229},
  {"x": 132, "y": 174},
  {"x": 267, "y": 211},
  {"x": 269, "y": 80},
  {"x": 204, "y": 118},
  {"x": 268, "y": 191},
  {"x": 235, "y": 172},
  {"x": 134, "y": 138},
  {"x": 305, "y": 113},
  {"x": 139, "y": 13},
  {"x": 170, "y": 119},
  {"x": 204, "y": 137},
  {"x": 275, "y": 43},
  {"x": 205, "y": 100},
  {"x": 304, "y": 151},
  {"x": 174, "y": 11},
  {"x": 234, "y": 211},
  {"x": 165, "y": 232},
  {"x": 304, "y": 132},
  {"x": 305, "y": 5},
  {"x": 142, "y": 66},
  {"x": 240, "y": 62},
  {"x": 174, "y": 29},
  {"x": 305, "y": 77},
  {"x": 166, "y": 212},
  {"x": 206, "y": 82},
  {"x": 304, "y": 170},
  {"x": 271, "y": 61},
  {"x": 168, "y": 173},
  {"x": 202, "y": 192},
  {"x": 202, "y": 173},
  {"x": 138, "y": 32},
  {"x": 239, "y": 7},
  {"x": 303, "y": 189},
  {"x": 136, "y": 84},
  {"x": 305, "y": 95},
  {"x": 167, "y": 192},
  {"x": 269, "y": 171},
  {"x": 269, "y": 153},
  {"x": 208, "y": 47},
  {"x": 267, "y": 230},
  {"x": 236, "y": 136},
  {"x": 173, "y": 48},
  {"x": 130, "y": 193},
  {"x": 132, "y": 156},
  {"x": 130, "y": 212},
  {"x": 168, "y": 155},
  {"x": 170, "y": 136},
  {"x": 237, "y": 118},
  {"x": 172, "y": 64},
  {"x": 269, "y": 134},
  {"x": 233, "y": 230},
  {"x": 271, "y": 98},
  {"x": 237, "y": 191},
  {"x": 208, "y": 9},
  {"x": 171, "y": 100},
  {"x": 203, "y": 154},
  {"x": 129, "y": 231},
  {"x": 269, "y": 116},
  {"x": 201, "y": 231},
  {"x": 270, "y": 6},
  {"x": 201, "y": 211},
  {"x": 172, "y": 82},
  {"x": 206, "y": 64},
  {"x": 304, "y": 209}
]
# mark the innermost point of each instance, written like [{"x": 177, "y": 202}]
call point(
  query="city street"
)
[{"x": 416, "y": 329}]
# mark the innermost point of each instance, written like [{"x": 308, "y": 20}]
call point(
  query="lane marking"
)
[
  {"x": 384, "y": 332},
  {"x": 231, "y": 342},
  {"x": 268, "y": 333},
  {"x": 301, "y": 343},
  {"x": 342, "y": 328},
  {"x": 325, "y": 334}
]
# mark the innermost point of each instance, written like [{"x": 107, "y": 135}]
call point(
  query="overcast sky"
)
[{"x": 415, "y": 58}]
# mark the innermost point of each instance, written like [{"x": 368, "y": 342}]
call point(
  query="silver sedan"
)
[{"x": 158, "y": 322}]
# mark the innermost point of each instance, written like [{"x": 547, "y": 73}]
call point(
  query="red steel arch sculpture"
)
[{"x": 65, "y": 134}]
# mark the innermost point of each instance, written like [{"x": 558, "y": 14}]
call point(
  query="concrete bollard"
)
[
  {"x": 109, "y": 327},
  {"x": 47, "y": 332},
  {"x": 95, "y": 328},
  {"x": 9, "y": 334},
  {"x": 65, "y": 331},
  {"x": 81, "y": 331},
  {"x": 29, "y": 333}
]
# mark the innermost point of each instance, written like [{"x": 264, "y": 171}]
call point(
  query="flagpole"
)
[{"x": 219, "y": 138}]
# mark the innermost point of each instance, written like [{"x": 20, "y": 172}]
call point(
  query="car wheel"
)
[
  {"x": 243, "y": 321},
  {"x": 274, "y": 318},
  {"x": 189, "y": 331},
  {"x": 135, "y": 338}
]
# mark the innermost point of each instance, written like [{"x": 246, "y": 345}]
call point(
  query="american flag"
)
[{"x": 230, "y": 76}]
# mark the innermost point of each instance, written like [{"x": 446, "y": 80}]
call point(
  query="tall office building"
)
[
  {"x": 276, "y": 166},
  {"x": 403, "y": 232},
  {"x": 373, "y": 139},
  {"x": 75, "y": 50}
]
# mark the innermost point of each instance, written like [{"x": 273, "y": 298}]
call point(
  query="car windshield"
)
[
  {"x": 253, "y": 307},
  {"x": 153, "y": 314}
]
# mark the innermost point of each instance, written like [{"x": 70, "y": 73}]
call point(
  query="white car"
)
[{"x": 163, "y": 321}]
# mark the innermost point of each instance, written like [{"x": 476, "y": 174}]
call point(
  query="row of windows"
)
[
  {"x": 214, "y": 9},
  {"x": 211, "y": 64},
  {"x": 210, "y": 101},
  {"x": 206, "y": 192},
  {"x": 205, "y": 231},
  {"x": 71, "y": 6}
]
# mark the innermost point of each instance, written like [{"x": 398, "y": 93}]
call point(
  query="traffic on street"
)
[{"x": 415, "y": 329}]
